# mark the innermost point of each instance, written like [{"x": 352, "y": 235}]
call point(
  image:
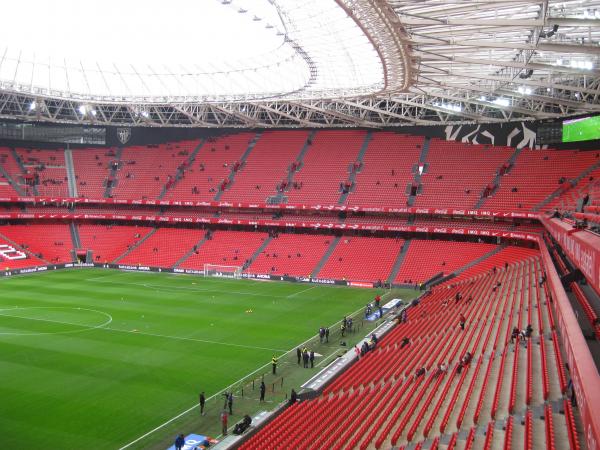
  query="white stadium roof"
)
[{"x": 298, "y": 63}]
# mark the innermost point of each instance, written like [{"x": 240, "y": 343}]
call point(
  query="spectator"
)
[
  {"x": 293, "y": 397},
  {"x": 441, "y": 370},
  {"x": 467, "y": 358},
  {"x": 528, "y": 331},
  {"x": 224, "y": 418},
  {"x": 514, "y": 335}
]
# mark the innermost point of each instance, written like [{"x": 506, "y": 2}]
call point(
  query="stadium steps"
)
[
  {"x": 71, "y": 181},
  {"x": 310, "y": 139},
  {"x": 113, "y": 172},
  {"x": 422, "y": 161},
  {"x": 559, "y": 191},
  {"x": 12, "y": 182},
  {"x": 190, "y": 252},
  {"x": 75, "y": 235},
  {"x": 498, "y": 177},
  {"x": 18, "y": 247},
  {"x": 137, "y": 244},
  {"x": 359, "y": 158},
  {"x": 425, "y": 150},
  {"x": 259, "y": 250},
  {"x": 180, "y": 172},
  {"x": 22, "y": 167},
  {"x": 242, "y": 160},
  {"x": 325, "y": 258},
  {"x": 281, "y": 197},
  {"x": 399, "y": 261},
  {"x": 479, "y": 260}
]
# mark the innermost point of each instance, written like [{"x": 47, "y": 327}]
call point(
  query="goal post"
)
[{"x": 216, "y": 270}]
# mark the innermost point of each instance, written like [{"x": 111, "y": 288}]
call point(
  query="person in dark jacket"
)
[
  {"x": 263, "y": 389},
  {"x": 528, "y": 331},
  {"x": 305, "y": 358},
  {"x": 312, "y": 359},
  {"x": 179, "y": 442},
  {"x": 202, "y": 400},
  {"x": 293, "y": 397},
  {"x": 230, "y": 403},
  {"x": 299, "y": 354}
]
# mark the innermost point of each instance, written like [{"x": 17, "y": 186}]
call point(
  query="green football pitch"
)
[{"x": 96, "y": 358}]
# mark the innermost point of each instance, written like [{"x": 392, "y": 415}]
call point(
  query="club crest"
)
[{"x": 123, "y": 134}]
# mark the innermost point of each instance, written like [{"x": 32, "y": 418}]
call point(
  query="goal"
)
[{"x": 214, "y": 270}]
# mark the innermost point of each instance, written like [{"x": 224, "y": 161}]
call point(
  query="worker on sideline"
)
[
  {"x": 274, "y": 364},
  {"x": 263, "y": 389},
  {"x": 202, "y": 402}
]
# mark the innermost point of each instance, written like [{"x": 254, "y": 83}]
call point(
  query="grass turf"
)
[{"x": 95, "y": 358}]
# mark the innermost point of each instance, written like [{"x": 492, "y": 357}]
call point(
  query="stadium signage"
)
[
  {"x": 33, "y": 269},
  {"x": 189, "y": 271},
  {"x": 140, "y": 268},
  {"x": 242, "y": 205},
  {"x": 316, "y": 280},
  {"x": 11, "y": 253},
  {"x": 279, "y": 223},
  {"x": 362, "y": 284}
]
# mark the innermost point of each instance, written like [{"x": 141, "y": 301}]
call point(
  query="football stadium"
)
[{"x": 286, "y": 224}]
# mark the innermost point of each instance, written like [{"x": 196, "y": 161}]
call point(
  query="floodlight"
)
[{"x": 501, "y": 101}]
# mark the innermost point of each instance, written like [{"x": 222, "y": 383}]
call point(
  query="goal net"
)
[{"x": 215, "y": 270}]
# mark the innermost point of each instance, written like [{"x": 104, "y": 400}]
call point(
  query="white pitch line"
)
[
  {"x": 300, "y": 292},
  {"x": 85, "y": 327},
  {"x": 183, "y": 338},
  {"x": 195, "y": 406},
  {"x": 103, "y": 326}
]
